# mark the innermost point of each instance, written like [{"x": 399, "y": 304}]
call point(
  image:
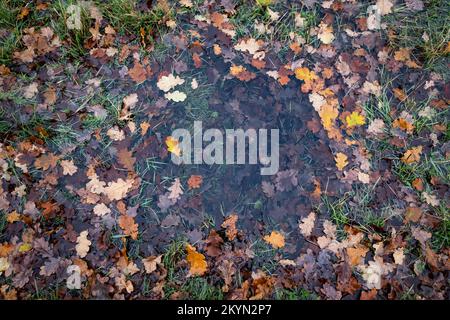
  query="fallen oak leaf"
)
[
  {"x": 151, "y": 263},
  {"x": 46, "y": 161},
  {"x": 101, "y": 209},
  {"x": 404, "y": 125},
  {"x": 356, "y": 255},
  {"x": 176, "y": 96},
  {"x": 275, "y": 239},
  {"x": 167, "y": 83},
  {"x": 128, "y": 225},
  {"x": 230, "y": 226},
  {"x": 117, "y": 190},
  {"x": 196, "y": 260},
  {"x": 173, "y": 146},
  {"x": 126, "y": 159},
  {"x": 306, "y": 225},
  {"x": 69, "y": 168},
  {"x": 355, "y": 119},
  {"x": 138, "y": 73},
  {"x": 412, "y": 155},
  {"x": 175, "y": 190},
  {"x": 242, "y": 73},
  {"x": 83, "y": 244},
  {"x": 115, "y": 133},
  {"x": 195, "y": 181},
  {"x": 341, "y": 161}
]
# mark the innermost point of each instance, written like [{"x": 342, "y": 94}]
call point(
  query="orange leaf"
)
[
  {"x": 197, "y": 60},
  {"x": 138, "y": 73},
  {"x": 305, "y": 74},
  {"x": 128, "y": 226},
  {"x": 230, "y": 225},
  {"x": 276, "y": 239},
  {"x": 399, "y": 94},
  {"x": 195, "y": 181},
  {"x": 173, "y": 146},
  {"x": 356, "y": 255},
  {"x": 412, "y": 155},
  {"x": 197, "y": 262},
  {"x": 403, "y": 124},
  {"x": 418, "y": 184}
]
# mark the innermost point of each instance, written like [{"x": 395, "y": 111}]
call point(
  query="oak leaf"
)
[
  {"x": 230, "y": 226},
  {"x": 138, "y": 73},
  {"x": 175, "y": 190},
  {"x": 250, "y": 45},
  {"x": 357, "y": 255},
  {"x": 126, "y": 159},
  {"x": 46, "y": 161},
  {"x": 117, "y": 190},
  {"x": 176, "y": 96},
  {"x": 196, "y": 260},
  {"x": 83, "y": 244},
  {"x": 69, "y": 168},
  {"x": 341, "y": 161},
  {"x": 306, "y": 225},
  {"x": 412, "y": 155},
  {"x": 325, "y": 33},
  {"x": 101, "y": 209},
  {"x": 173, "y": 146},
  {"x": 275, "y": 239},
  {"x": 151, "y": 263},
  {"x": 195, "y": 181},
  {"x": 167, "y": 83},
  {"x": 115, "y": 133},
  {"x": 355, "y": 119},
  {"x": 129, "y": 227}
]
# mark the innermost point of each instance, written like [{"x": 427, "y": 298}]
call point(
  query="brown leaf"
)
[
  {"x": 413, "y": 214},
  {"x": 195, "y": 181},
  {"x": 151, "y": 263},
  {"x": 230, "y": 226},
  {"x": 126, "y": 159},
  {"x": 46, "y": 161},
  {"x": 138, "y": 72},
  {"x": 129, "y": 227}
]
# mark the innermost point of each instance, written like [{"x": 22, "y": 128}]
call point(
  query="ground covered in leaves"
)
[{"x": 90, "y": 92}]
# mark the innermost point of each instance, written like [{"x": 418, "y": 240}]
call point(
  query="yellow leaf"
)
[
  {"x": 264, "y": 3},
  {"x": 235, "y": 70},
  {"x": 24, "y": 247},
  {"x": 328, "y": 114},
  {"x": 276, "y": 239},
  {"x": 305, "y": 74},
  {"x": 341, "y": 160},
  {"x": 412, "y": 155},
  {"x": 355, "y": 119},
  {"x": 173, "y": 146},
  {"x": 197, "y": 262},
  {"x": 13, "y": 217}
]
